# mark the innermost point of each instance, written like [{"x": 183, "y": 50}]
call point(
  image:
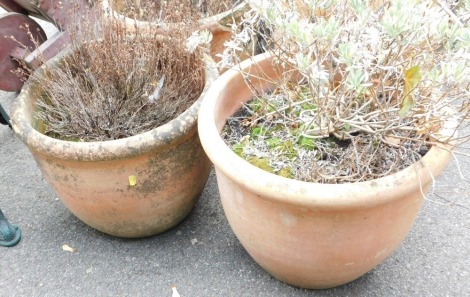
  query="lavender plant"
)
[{"x": 368, "y": 86}]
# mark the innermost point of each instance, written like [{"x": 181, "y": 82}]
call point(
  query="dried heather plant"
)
[
  {"x": 174, "y": 11},
  {"x": 112, "y": 84},
  {"x": 367, "y": 86}
]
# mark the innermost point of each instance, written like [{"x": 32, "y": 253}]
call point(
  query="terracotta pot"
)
[
  {"x": 219, "y": 25},
  {"x": 308, "y": 234},
  {"x": 92, "y": 178}
]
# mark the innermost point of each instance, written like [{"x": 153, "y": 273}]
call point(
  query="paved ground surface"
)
[{"x": 434, "y": 260}]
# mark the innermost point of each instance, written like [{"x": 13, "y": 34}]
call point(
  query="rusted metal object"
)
[
  {"x": 12, "y": 6},
  {"x": 48, "y": 49},
  {"x": 16, "y": 43},
  {"x": 54, "y": 11},
  {"x": 35, "y": 53}
]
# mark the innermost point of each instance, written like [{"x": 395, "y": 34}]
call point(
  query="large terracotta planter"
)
[
  {"x": 307, "y": 234},
  {"x": 219, "y": 25},
  {"x": 92, "y": 178}
]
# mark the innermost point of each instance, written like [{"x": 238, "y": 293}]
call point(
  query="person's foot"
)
[{"x": 9, "y": 234}]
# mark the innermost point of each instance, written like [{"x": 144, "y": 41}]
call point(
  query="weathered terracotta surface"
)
[
  {"x": 92, "y": 178},
  {"x": 306, "y": 234}
]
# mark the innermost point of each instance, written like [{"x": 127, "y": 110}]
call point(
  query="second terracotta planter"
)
[
  {"x": 308, "y": 234},
  {"x": 219, "y": 25}
]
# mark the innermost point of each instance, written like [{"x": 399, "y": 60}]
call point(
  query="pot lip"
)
[
  {"x": 210, "y": 23},
  {"x": 159, "y": 138},
  {"x": 307, "y": 194}
]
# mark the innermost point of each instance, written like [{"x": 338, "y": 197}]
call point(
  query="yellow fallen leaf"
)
[
  {"x": 68, "y": 248},
  {"x": 132, "y": 180},
  {"x": 412, "y": 79}
]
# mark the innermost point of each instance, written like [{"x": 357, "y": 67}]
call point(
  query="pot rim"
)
[
  {"x": 212, "y": 23},
  {"x": 159, "y": 138},
  {"x": 307, "y": 194}
]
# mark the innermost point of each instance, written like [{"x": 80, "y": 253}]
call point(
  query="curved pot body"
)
[
  {"x": 307, "y": 234},
  {"x": 94, "y": 179}
]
